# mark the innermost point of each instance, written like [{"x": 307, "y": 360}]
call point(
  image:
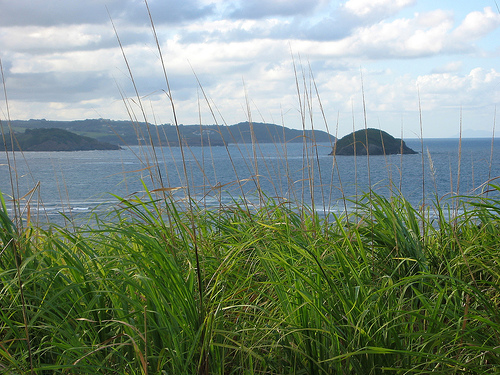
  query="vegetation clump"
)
[
  {"x": 372, "y": 142},
  {"x": 387, "y": 288}
]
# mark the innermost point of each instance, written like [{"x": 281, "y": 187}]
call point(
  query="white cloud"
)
[
  {"x": 477, "y": 24},
  {"x": 451, "y": 67},
  {"x": 421, "y": 36},
  {"x": 63, "y": 12},
  {"x": 368, "y": 8},
  {"x": 35, "y": 38},
  {"x": 62, "y": 69},
  {"x": 76, "y": 61},
  {"x": 425, "y": 34},
  {"x": 446, "y": 89},
  {"x": 51, "y": 12},
  {"x": 269, "y": 8}
]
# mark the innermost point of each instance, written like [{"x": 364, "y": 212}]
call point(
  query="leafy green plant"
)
[
  {"x": 261, "y": 285},
  {"x": 280, "y": 294}
]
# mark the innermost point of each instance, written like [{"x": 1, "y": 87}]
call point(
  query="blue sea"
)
[{"x": 78, "y": 183}]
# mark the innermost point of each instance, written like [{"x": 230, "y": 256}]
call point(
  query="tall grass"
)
[
  {"x": 282, "y": 293},
  {"x": 168, "y": 286}
]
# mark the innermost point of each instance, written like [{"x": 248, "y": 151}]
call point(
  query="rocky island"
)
[
  {"x": 379, "y": 143},
  {"x": 52, "y": 139}
]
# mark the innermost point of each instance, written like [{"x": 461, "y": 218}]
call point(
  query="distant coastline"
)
[
  {"x": 139, "y": 133},
  {"x": 52, "y": 139}
]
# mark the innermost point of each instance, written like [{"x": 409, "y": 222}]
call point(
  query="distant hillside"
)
[
  {"x": 128, "y": 133},
  {"x": 52, "y": 139},
  {"x": 379, "y": 143}
]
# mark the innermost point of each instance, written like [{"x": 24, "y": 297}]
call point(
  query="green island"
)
[
  {"x": 372, "y": 142},
  {"x": 52, "y": 139}
]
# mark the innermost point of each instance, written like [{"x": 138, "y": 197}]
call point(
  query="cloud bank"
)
[{"x": 61, "y": 59}]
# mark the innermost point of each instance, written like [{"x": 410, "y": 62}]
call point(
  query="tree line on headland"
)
[
  {"x": 52, "y": 139},
  {"x": 139, "y": 133}
]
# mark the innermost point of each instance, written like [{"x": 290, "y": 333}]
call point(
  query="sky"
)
[{"x": 403, "y": 66}]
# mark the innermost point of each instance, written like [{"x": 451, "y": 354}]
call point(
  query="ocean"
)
[{"x": 78, "y": 183}]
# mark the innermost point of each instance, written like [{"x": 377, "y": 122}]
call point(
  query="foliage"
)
[{"x": 386, "y": 289}]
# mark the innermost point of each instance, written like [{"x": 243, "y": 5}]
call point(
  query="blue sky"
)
[{"x": 61, "y": 61}]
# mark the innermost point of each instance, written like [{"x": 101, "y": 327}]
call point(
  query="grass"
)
[
  {"x": 279, "y": 292},
  {"x": 163, "y": 287}
]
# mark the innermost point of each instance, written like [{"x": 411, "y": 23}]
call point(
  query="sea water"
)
[{"x": 77, "y": 183}]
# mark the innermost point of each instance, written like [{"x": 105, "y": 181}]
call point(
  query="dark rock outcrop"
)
[{"x": 379, "y": 143}]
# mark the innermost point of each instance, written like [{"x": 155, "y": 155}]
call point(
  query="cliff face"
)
[
  {"x": 379, "y": 143},
  {"x": 53, "y": 140}
]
